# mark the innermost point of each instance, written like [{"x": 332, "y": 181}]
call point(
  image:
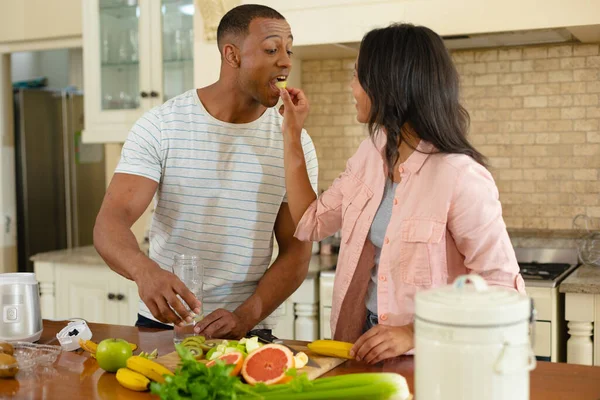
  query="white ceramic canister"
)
[{"x": 472, "y": 342}]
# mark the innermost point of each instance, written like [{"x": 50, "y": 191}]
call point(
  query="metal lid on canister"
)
[{"x": 470, "y": 301}]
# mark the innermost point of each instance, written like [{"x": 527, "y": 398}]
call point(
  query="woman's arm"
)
[
  {"x": 314, "y": 219},
  {"x": 476, "y": 224}
]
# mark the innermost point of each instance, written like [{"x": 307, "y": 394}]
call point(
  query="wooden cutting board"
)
[{"x": 326, "y": 364}]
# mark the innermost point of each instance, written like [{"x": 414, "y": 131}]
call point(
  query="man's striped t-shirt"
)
[{"x": 220, "y": 188}]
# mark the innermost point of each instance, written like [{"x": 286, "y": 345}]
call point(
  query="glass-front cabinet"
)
[
  {"x": 177, "y": 47},
  {"x": 137, "y": 54}
]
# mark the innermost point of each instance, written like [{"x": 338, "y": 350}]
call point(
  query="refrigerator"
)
[{"x": 60, "y": 181}]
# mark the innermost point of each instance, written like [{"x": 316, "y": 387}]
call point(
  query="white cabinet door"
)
[
  {"x": 285, "y": 324},
  {"x": 82, "y": 291},
  {"x": 116, "y": 58},
  {"x": 325, "y": 324},
  {"x": 137, "y": 54},
  {"x": 173, "y": 48},
  {"x": 128, "y": 306}
]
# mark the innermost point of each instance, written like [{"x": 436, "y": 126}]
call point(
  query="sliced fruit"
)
[
  {"x": 281, "y": 84},
  {"x": 150, "y": 369},
  {"x": 300, "y": 360},
  {"x": 133, "y": 346},
  {"x": 132, "y": 380},
  {"x": 268, "y": 365},
  {"x": 213, "y": 353},
  {"x": 331, "y": 348},
  {"x": 88, "y": 345},
  {"x": 235, "y": 358},
  {"x": 194, "y": 340},
  {"x": 207, "y": 346},
  {"x": 196, "y": 351},
  {"x": 252, "y": 344},
  {"x": 149, "y": 356}
]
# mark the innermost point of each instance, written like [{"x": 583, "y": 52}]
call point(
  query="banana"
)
[
  {"x": 331, "y": 348},
  {"x": 132, "y": 380},
  {"x": 150, "y": 369}
]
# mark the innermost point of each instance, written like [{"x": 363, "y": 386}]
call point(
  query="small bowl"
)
[{"x": 30, "y": 355}]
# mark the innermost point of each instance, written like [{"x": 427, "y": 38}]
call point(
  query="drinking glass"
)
[{"x": 189, "y": 270}]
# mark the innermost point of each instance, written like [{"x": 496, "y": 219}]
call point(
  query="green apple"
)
[{"x": 112, "y": 354}]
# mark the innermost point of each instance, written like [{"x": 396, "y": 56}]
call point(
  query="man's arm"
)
[
  {"x": 279, "y": 282},
  {"x": 127, "y": 197}
]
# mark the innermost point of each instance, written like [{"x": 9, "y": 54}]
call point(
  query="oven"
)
[{"x": 543, "y": 269}]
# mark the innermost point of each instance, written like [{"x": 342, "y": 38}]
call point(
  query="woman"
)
[{"x": 416, "y": 205}]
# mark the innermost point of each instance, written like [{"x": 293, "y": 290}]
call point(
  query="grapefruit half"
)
[
  {"x": 268, "y": 365},
  {"x": 235, "y": 358}
]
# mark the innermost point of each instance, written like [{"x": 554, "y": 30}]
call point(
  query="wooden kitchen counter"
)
[{"x": 76, "y": 376}]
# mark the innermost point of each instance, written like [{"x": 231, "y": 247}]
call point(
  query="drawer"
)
[
  {"x": 542, "y": 301},
  {"x": 325, "y": 324},
  {"x": 542, "y": 343}
]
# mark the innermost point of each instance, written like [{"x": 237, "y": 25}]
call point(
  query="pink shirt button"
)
[
  {"x": 387, "y": 240},
  {"x": 395, "y": 202},
  {"x": 382, "y": 278},
  {"x": 401, "y": 169},
  {"x": 383, "y": 317}
]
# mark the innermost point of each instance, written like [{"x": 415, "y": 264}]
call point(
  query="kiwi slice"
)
[{"x": 207, "y": 346}]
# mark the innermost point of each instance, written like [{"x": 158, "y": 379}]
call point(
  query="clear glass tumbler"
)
[{"x": 189, "y": 270}]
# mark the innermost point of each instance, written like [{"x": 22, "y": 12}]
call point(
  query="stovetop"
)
[
  {"x": 546, "y": 267},
  {"x": 542, "y": 272}
]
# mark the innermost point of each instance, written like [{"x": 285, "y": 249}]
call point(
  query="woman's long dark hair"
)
[{"x": 409, "y": 77}]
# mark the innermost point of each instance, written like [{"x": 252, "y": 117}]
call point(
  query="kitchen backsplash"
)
[{"x": 534, "y": 112}]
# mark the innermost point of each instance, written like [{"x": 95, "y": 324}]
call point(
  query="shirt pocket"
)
[
  {"x": 422, "y": 252},
  {"x": 356, "y": 195}
]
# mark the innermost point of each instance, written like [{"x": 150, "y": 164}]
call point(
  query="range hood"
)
[
  {"x": 503, "y": 39},
  {"x": 458, "y": 42}
]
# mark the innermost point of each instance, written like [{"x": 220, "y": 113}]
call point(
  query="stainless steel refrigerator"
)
[{"x": 60, "y": 181}]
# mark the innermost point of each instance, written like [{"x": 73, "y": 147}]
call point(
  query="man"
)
[{"x": 214, "y": 159}]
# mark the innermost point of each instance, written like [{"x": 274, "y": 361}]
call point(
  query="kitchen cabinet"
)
[
  {"x": 31, "y": 20},
  {"x": 325, "y": 296},
  {"x": 77, "y": 283},
  {"x": 92, "y": 292},
  {"x": 582, "y": 313},
  {"x": 137, "y": 54}
]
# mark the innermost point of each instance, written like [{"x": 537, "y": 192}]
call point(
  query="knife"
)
[{"x": 265, "y": 336}]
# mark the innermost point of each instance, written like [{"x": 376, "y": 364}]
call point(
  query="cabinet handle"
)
[
  {"x": 111, "y": 296},
  {"x": 120, "y": 297},
  {"x": 144, "y": 94},
  {"x": 153, "y": 94}
]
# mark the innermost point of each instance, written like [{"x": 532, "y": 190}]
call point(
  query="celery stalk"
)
[{"x": 349, "y": 387}]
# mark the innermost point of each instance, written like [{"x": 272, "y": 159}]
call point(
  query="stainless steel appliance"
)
[
  {"x": 60, "y": 181},
  {"x": 20, "y": 305},
  {"x": 543, "y": 269}
]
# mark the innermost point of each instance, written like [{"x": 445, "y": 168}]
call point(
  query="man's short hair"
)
[{"x": 237, "y": 20}]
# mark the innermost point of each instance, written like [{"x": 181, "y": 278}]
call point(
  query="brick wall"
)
[{"x": 535, "y": 113}]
